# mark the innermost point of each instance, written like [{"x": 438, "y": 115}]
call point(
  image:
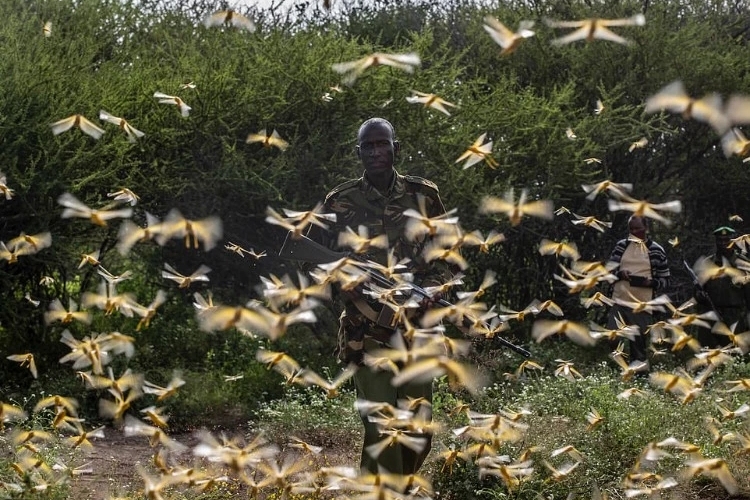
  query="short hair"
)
[{"x": 376, "y": 121}]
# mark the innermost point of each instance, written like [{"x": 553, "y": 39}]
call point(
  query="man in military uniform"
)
[
  {"x": 728, "y": 298},
  {"x": 377, "y": 200}
]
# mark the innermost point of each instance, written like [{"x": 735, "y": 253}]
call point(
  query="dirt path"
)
[
  {"x": 113, "y": 465},
  {"x": 114, "y": 459}
]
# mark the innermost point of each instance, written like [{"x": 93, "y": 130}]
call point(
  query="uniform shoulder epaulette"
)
[
  {"x": 420, "y": 180},
  {"x": 344, "y": 186}
]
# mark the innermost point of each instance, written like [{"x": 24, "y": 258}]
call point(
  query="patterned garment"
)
[
  {"x": 657, "y": 256},
  {"x": 635, "y": 260},
  {"x": 357, "y": 203}
]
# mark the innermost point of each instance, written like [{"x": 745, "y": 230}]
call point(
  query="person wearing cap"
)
[
  {"x": 643, "y": 274},
  {"x": 725, "y": 296}
]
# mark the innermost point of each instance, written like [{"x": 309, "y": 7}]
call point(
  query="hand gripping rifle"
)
[
  {"x": 304, "y": 249},
  {"x": 697, "y": 284}
]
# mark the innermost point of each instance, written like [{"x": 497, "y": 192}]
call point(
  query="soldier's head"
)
[
  {"x": 638, "y": 226},
  {"x": 377, "y": 146},
  {"x": 723, "y": 236}
]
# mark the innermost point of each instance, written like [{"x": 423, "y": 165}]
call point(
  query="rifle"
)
[
  {"x": 304, "y": 249},
  {"x": 697, "y": 284}
]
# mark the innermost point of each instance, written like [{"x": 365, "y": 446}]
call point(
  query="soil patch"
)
[{"x": 113, "y": 461}]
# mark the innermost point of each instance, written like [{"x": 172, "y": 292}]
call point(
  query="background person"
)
[
  {"x": 725, "y": 296},
  {"x": 643, "y": 274}
]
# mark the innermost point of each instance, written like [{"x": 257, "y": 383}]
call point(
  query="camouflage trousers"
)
[
  {"x": 357, "y": 337},
  {"x": 375, "y": 385}
]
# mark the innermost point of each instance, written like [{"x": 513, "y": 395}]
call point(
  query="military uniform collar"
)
[{"x": 395, "y": 190}]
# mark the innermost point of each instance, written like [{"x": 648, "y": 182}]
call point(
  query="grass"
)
[
  {"x": 308, "y": 411},
  {"x": 556, "y": 417},
  {"x": 558, "y": 409}
]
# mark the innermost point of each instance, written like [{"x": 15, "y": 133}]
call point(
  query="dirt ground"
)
[
  {"x": 114, "y": 459},
  {"x": 112, "y": 463}
]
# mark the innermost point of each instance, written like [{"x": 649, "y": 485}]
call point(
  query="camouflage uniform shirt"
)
[
  {"x": 358, "y": 203},
  {"x": 730, "y": 299}
]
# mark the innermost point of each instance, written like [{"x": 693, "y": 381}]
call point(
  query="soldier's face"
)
[
  {"x": 722, "y": 243},
  {"x": 377, "y": 149}
]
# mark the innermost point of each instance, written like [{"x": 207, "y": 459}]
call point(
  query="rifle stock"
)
[{"x": 304, "y": 249}]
